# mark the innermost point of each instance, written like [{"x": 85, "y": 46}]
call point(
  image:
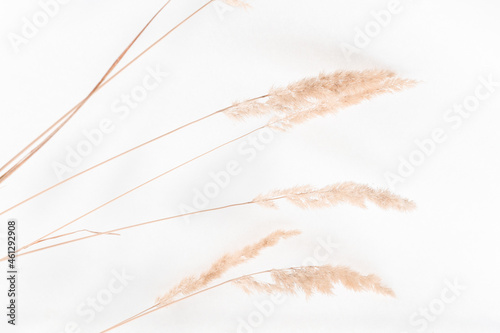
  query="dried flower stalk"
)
[
  {"x": 311, "y": 98},
  {"x": 302, "y": 196},
  {"x": 289, "y": 106},
  {"x": 294, "y": 104},
  {"x": 54, "y": 128},
  {"x": 309, "y": 279},
  {"x": 95, "y": 166}
]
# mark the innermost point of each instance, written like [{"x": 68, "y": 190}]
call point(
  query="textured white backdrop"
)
[{"x": 221, "y": 56}]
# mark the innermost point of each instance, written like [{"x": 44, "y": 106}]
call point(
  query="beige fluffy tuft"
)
[
  {"x": 319, "y": 96},
  {"x": 313, "y": 279},
  {"x": 237, "y": 3},
  {"x": 192, "y": 283},
  {"x": 352, "y": 193}
]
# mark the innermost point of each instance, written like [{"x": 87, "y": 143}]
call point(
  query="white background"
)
[{"x": 221, "y": 56}]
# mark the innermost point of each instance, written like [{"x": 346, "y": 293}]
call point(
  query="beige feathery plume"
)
[
  {"x": 237, "y": 3},
  {"x": 192, "y": 283},
  {"x": 352, "y": 193},
  {"x": 313, "y": 279},
  {"x": 319, "y": 96}
]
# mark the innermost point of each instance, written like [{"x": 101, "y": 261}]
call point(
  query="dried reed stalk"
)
[
  {"x": 3, "y": 177},
  {"x": 103, "y": 82},
  {"x": 295, "y": 103},
  {"x": 63, "y": 120},
  {"x": 309, "y": 280},
  {"x": 328, "y": 196},
  {"x": 133, "y": 189},
  {"x": 118, "y": 156},
  {"x": 316, "y": 88}
]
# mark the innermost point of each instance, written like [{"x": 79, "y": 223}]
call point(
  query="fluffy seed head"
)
[
  {"x": 352, "y": 193},
  {"x": 313, "y": 279},
  {"x": 237, "y": 3},
  {"x": 319, "y": 96}
]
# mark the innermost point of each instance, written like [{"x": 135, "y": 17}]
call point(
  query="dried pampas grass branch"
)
[
  {"x": 294, "y": 104},
  {"x": 283, "y": 108},
  {"x": 117, "y": 156},
  {"x": 373, "y": 83},
  {"x": 294, "y": 280},
  {"x": 305, "y": 197},
  {"x": 47, "y": 135},
  {"x": 59, "y": 124}
]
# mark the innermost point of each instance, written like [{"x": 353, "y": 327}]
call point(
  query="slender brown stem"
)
[
  {"x": 34, "y": 141},
  {"x": 143, "y": 184},
  {"x": 138, "y": 314},
  {"x": 101, "y": 84},
  {"x": 121, "y": 229},
  {"x": 102, "y": 163},
  {"x": 63, "y": 120},
  {"x": 135, "y": 188},
  {"x": 158, "y": 41},
  {"x": 113, "y": 232},
  {"x": 122, "y": 154},
  {"x": 270, "y": 124},
  {"x": 78, "y": 231}
]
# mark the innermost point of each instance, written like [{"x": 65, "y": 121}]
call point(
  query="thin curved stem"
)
[
  {"x": 268, "y": 125},
  {"x": 78, "y": 231},
  {"x": 104, "y": 162},
  {"x": 137, "y": 187},
  {"x": 121, "y": 229},
  {"x": 122, "y": 154},
  {"x": 65, "y": 118},
  {"x": 114, "y": 231},
  {"x": 143, "y": 184}
]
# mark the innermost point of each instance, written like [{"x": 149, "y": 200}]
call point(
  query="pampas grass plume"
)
[
  {"x": 349, "y": 192},
  {"x": 237, "y": 3},
  {"x": 313, "y": 279},
  {"x": 319, "y": 96}
]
